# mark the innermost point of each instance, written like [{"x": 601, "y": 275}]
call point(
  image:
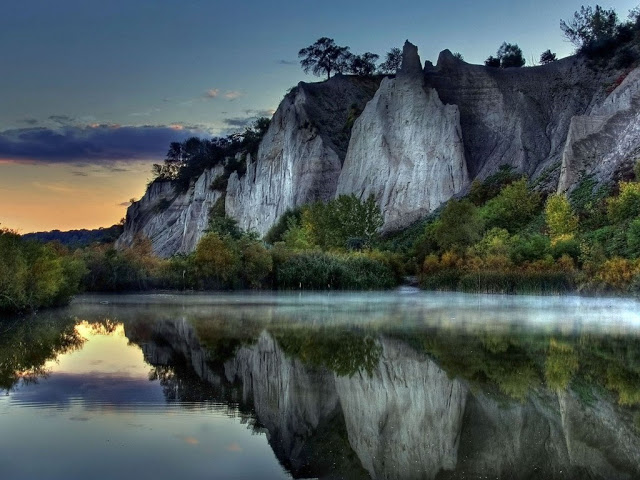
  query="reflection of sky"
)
[{"x": 98, "y": 416}]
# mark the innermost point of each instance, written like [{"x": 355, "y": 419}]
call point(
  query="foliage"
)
[
  {"x": 590, "y": 27},
  {"x": 459, "y": 225},
  {"x": 559, "y": 216},
  {"x": 276, "y": 232},
  {"x": 481, "y": 192},
  {"x": 217, "y": 260},
  {"x": 33, "y": 275},
  {"x": 510, "y": 55},
  {"x": 363, "y": 65},
  {"x": 392, "y": 62},
  {"x": 324, "y": 57},
  {"x": 78, "y": 238},
  {"x": 626, "y": 205},
  {"x": 513, "y": 208},
  {"x": 633, "y": 238},
  {"x": 492, "y": 61},
  {"x": 187, "y": 160},
  {"x": 322, "y": 271},
  {"x": 332, "y": 224},
  {"x": 547, "y": 57}
]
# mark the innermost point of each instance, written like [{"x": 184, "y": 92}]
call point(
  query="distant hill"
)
[{"x": 78, "y": 238}]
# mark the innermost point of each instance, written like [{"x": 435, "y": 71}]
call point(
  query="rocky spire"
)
[{"x": 411, "y": 64}]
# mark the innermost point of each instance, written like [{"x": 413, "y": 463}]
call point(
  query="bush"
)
[
  {"x": 513, "y": 208},
  {"x": 322, "y": 271},
  {"x": 459, "y": 225},
  {"x": 626, "y": 205},
  {"x": 217, "y": 261}
]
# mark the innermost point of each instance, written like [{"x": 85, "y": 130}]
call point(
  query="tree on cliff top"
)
[
  {"x": 392, "y": 62},
  {"x": 324, "y": 56},
  {"x": 508, "y": 55},
  {"x": 589, "y": 27}
]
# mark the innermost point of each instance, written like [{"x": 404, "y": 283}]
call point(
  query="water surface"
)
[{"x": 403, "y": 384}]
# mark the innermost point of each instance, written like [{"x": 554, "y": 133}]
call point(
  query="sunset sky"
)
[{"x": 93, "y": 92}]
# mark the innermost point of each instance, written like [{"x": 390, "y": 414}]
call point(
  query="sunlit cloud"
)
[
  {"x": 233, "y": 94},
  {"x": 234, "y": 447},
  {"x": 212, "y": 93},
  {"x": 188, "y": 439}
]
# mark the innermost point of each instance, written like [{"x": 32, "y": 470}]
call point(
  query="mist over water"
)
[{"x": 402, "y": 384}]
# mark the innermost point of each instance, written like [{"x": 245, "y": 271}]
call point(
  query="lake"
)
[{"x": 403, "y": 384}]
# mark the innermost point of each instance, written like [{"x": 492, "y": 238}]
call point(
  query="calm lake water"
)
[{"x": 403, "y": 384}]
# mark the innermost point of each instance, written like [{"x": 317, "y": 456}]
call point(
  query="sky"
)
[{"x": 93, "y": 92}]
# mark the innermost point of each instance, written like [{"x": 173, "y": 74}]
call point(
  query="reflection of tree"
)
[
  {"x": 344, "y": 352},
  {"x": 26, "y": 346}
]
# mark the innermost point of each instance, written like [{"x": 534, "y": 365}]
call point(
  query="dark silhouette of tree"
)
[
  {"x": 590, "y": 27},
  {"x": 547, "y": 57},
  {"x": 392, "y": 62},
  {"x": 510, "y": 55},
  {"x": 458, "y": 55},
  {"x": 324, "y": 56},
  {"x": 364, "y": 65},
  {"x": 492, "y": 62}
]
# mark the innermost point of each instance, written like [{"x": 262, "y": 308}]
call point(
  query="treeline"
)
[
  {"x": 505, "y": 237},
  {"x": 319, "y": 246},
  {"x": 78, "y": 238},
  {"x": 185, "y": 161},
  {"x": 34, "y": 275}
]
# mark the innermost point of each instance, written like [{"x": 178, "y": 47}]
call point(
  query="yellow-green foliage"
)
[
  {"x": 513, "y": 208},
  {"x": 617, "y": 273},
  {"x": 561, "y": 364},
  {"x": 626, "y": 205},
  {"x": 33, "y": 275},
  {"x": 216, "y": 258},
  {"x": 559, "y": 216}
]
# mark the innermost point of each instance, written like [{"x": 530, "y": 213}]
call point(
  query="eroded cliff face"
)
[
  {"x": 420, "y": 139},
  {"x": 173, "y": 222},
  {"x": 406, "y": 148},
  {"x": 606, "y": 141},
  {"x": 300, "y": 157}
]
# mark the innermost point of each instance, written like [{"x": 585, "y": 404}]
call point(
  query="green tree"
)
[
  {"x": 323, "y": 57},
  {"x": 459, "y": 225},
  {"x": 513, "y": 208},
  {"x": 217, "y": 259},
  {"x": 626, "y": 205},
  {"x": 492, "y": 61},
  {"x": 559, "y": 216}
]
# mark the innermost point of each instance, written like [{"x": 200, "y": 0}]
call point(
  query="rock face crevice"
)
[{"x": 406, "y": 148}]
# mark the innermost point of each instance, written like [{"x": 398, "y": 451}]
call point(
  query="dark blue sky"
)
[{"x": 207, "y": 66}]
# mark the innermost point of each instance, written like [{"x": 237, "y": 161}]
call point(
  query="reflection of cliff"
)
[{"x": 401, "y": 416}]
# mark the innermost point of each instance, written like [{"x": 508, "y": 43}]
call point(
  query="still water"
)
[{"x": 404, "y": 384}]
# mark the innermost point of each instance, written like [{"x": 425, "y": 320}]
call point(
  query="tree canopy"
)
[
  {"x": 324, "y": 57},
  {"x": 392, "y": 62}
]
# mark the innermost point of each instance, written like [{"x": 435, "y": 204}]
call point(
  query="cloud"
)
[
  {"x": 261, "y": 113},
  {"x": 234, "y": 447},
  {"x": 287, "y": 62},
  {"x": 61, "y": 119},
  {"x": 94, "y": 144},
  {"x": 212, "y": 93},
  {"x": 29, "y": 121},
  {"x": 124, "y": 204},
  {"x": 232, "y": 94},
  {"x": 238, "y": 121},
  {"x": 78, "y": 173}
]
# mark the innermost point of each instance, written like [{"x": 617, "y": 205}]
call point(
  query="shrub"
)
[
  {"x": 633, "y": 238},
  {"x": 626, "y": 205},
  {"x": 513, "y": 208},
  {"x": 217, "y": 260},
  {"x": 559, "y": 216},
  {"x": 459, "y": 225}
]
